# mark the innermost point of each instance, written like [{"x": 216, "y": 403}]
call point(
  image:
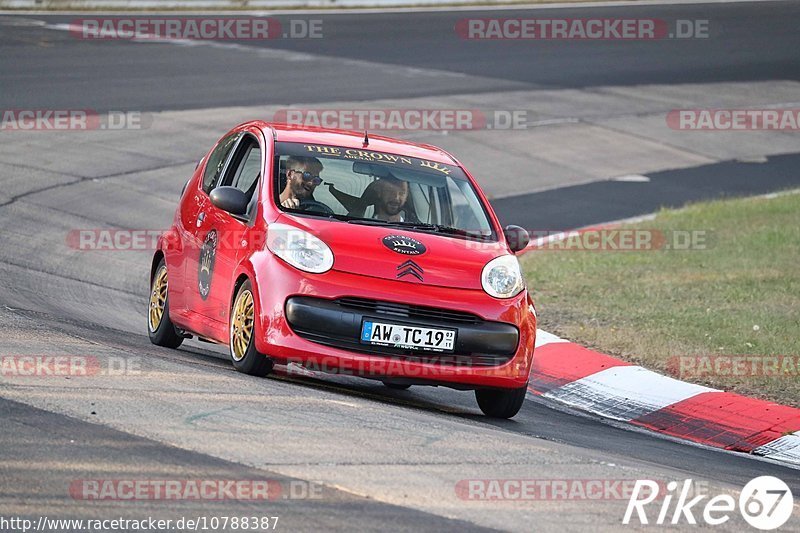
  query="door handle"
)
[{"x": 200, "y": 218}]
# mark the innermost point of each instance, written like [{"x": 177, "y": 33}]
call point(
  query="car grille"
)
[{"x": 407, "y": 311}]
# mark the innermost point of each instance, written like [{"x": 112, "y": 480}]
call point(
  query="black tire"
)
[
  {"x": 165, "y": 334},
  {"x": 500, "y": 403},
  {"x": 396, "y": 386},
  {"x": 252, "y": 363}
]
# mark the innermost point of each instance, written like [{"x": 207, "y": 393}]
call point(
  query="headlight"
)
[
  {"x": 299, "y": 248},
  {"x": 502, "y": 278}
]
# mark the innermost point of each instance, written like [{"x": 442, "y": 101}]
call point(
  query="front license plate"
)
[{"x": 402, "y": 336}]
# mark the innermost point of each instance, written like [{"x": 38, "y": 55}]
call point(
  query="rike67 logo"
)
[{"x": 766, "y": 503}]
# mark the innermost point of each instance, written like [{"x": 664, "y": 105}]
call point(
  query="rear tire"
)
[
  {"x": 500, "y": 403},
  {"x": 160, "y": 328},
  {"x": 241, "y": 337}
]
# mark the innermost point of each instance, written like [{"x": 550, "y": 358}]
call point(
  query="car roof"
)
[{"x": 353, "y": 139}]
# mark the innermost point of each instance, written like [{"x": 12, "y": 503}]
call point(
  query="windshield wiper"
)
[
  {"x": 450, "y": 230},
  {"x": 336, "y": 216},
  {"x": 421, "y": 226},
  {"x": 370, "y": 221}
]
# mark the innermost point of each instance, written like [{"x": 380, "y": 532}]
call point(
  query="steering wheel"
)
[{"x": 316, "y": 207}]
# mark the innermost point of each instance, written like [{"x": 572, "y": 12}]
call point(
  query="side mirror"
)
[
  {"x": 230, "y": 199},
  {"x": 517, "y": 238}
]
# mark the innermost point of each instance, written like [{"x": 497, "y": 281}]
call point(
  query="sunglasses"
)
[{"x": 308, "y": 176}]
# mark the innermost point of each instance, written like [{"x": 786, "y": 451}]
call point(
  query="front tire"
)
[
  {"x": 500, "y": 403},
  {"x": 160, "y": 328},
  {"x": 242, "y": 341}
]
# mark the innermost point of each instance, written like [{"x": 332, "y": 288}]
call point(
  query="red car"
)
[{"x": 346, "y": 253}]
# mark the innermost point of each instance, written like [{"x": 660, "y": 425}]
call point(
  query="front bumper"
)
[
  {"x": 315, "y": 321},
  {"x": 338, "y": 323}
]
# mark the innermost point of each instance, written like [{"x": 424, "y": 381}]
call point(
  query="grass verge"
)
[{"x": 724, "y": 313}]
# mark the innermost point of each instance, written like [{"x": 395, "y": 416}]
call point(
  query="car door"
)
[
  {"x": 192, "y": 214},
  {"x": 182, "y": 251},
  {"x": 221, "y": 235}
]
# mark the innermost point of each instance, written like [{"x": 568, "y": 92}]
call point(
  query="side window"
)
[
  {"x": 249, "y": 170},
  {"x": 245, "y": 170},
  {"x": 216, "y": 161}
]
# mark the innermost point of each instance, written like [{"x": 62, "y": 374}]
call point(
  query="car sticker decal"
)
[
  {"x": 404, "y": 245},
  {"x": 208, "y": 254},
  {"x": 376, "y": 157}
]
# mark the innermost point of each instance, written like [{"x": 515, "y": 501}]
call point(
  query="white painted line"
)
[
  {"x": 785, "y": 449},
  {"x": 632, "y": 178},
  {"x": 631, "y": 220},
  {"x": 755, "y": 159},
  {"x": 541, "y": 241},
  {"x": 625, "y": 392},
  {"x": 279, "y": 54},
  {"x": 358, "y": 7},
  {"x": 773, "y": 195},
  {"x": 538, "y": 242},
  {"x": 543, "y": 337},
  {"x": 552, "y": 121}
]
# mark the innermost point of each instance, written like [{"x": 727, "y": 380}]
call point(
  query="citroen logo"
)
[{"x": 410, "y": 268}]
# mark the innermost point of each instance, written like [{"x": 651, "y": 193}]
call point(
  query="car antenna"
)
[{"x": 366, "y": 139}]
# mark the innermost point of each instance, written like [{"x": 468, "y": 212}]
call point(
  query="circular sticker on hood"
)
[{"x": 404, "y": 245}]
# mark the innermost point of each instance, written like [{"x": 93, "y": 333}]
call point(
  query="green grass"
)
[{"x": 738, "y": 296}]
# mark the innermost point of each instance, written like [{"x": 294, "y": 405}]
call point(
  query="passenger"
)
[{"x": 392, "y": 195}]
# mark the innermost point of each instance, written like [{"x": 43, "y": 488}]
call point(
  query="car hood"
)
[{"x": 402, "y": 255}]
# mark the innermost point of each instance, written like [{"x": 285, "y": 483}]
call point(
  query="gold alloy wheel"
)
[
  {"x": 158, "y": 299},
  {"x": 242, "y": 325}
]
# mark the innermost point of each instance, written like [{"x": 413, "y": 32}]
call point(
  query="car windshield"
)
[{"x": 361, "y": 186}]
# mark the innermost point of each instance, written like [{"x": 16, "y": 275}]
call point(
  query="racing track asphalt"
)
[
  {"x": 748, "y": 41},
  {"x": 189, "y": 413},
  {"x": 606, "y": 201},
  {"x": 33, "y": 440}
]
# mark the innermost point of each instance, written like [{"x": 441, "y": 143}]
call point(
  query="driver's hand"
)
[{"x": 291, "y": 203}]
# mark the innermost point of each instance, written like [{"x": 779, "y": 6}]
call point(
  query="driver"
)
[{"x": 302, "y": 177}]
